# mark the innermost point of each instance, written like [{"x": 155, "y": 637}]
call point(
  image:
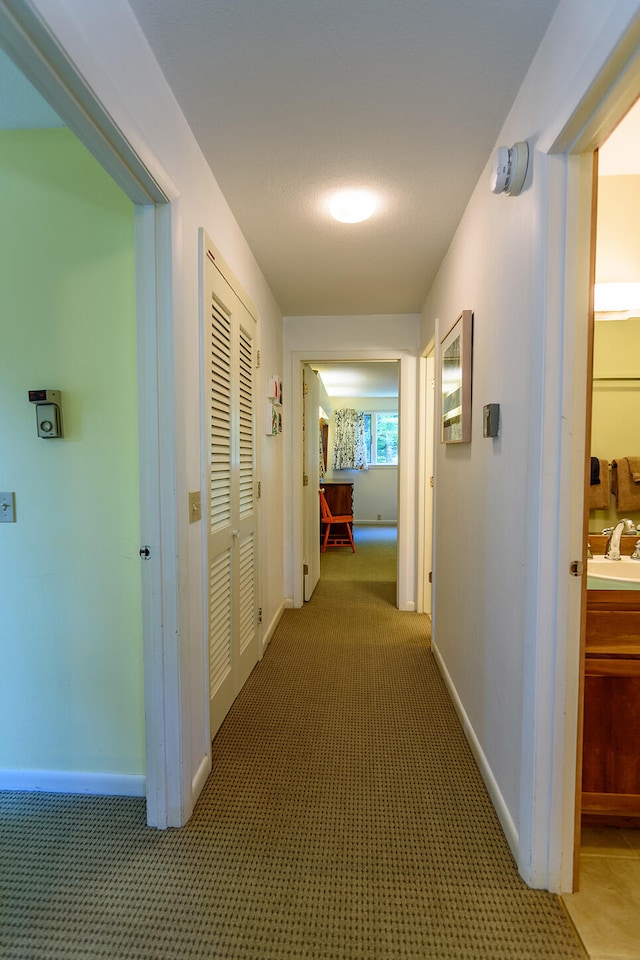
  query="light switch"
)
[
  {"x": 195, "y": 508},
  {"x": 7, "y": 508}
]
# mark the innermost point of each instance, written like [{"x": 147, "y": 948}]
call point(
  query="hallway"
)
[{"x": 344, "y": 818}]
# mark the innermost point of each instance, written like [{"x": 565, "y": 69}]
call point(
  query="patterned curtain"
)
[
  {"x": 321, "y": 453},
  {"x": 349, "y": 449}
]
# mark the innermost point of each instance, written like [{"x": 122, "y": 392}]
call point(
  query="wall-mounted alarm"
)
[{"x": 509, "y": 169}]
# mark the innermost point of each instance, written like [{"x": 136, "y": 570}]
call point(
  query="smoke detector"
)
[{"x": 509, "y": 169}]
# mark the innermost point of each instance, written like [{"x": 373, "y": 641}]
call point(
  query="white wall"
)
[
  {"x": 496, "y": 499},
  {"x": 354, "y": 338},
  {"x": 107, "y": 45},
  {"x": 375, "y": 491}
]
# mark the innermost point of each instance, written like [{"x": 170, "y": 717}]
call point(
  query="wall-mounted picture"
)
[{"x": 455, "y": 379}]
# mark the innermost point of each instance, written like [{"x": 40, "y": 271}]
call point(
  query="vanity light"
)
[
  {"x": 616, "y": 301},
  {"x": 352, "y": 206}
]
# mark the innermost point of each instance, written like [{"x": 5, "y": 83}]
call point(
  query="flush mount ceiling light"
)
[
  {"x": 352, "y": 206},
  {"x": 509, "y": 168},
  {"x": 616, "y": 301}
]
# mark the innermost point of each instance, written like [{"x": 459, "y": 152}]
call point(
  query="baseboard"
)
[
  {"x": 288, "y": 603},
  {"x": 200, "y": 778},
  {"x": 505, "y": 818},
  {"x": 375, "y": 523},
  {"x": 68, "y": 781},
  {"x": 266, "y": 639}
]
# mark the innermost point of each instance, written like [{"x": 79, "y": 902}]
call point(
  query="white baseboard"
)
[
  {"x": 505, "y": 818},
  {"x": 288, "y": 603},
  {"x": 266, "y": 639},
  {"x": 200, "y": 778},
  {"x": 69, "y": 781}
]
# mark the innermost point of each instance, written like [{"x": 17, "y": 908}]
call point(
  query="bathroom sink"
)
[{"x": 625, "y": 570}]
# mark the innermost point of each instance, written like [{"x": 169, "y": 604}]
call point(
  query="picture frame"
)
[{"x": 455, "y": 380}]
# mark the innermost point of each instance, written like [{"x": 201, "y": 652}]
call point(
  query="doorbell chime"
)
[{"x": 48, "y": 413}]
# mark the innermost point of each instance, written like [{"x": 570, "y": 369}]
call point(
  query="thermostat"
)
[
  {"x": 491, "y": 420},
  {"x": 48, "y": 413}
]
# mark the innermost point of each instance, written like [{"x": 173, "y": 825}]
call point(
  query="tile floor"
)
[{"x": 606, "y": 909}]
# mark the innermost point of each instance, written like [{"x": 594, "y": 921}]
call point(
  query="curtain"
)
[{"x": 349, "y": 448}]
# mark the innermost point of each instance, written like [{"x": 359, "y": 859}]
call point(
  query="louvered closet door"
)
[{"x": 231, "y": 554}]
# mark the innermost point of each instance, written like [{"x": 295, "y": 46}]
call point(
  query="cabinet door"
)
[{"x": 611, "y": 751}]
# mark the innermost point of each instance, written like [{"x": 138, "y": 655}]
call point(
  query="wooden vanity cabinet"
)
[{"x": 611, "y": 739}]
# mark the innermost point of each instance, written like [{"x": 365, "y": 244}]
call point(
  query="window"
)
[{"x": 381, "y": 438}]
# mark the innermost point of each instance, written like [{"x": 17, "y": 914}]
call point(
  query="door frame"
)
[
  {"x": 426, "y": 472},
  {"x": 406, "y": 596},
  {"x": 27, "y": 39},
  {"x": 551, "y": 710}
]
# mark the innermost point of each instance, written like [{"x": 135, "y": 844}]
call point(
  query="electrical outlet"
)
[
  {"x": 195, "y": 507},
  {"x": 7, "y": 507}
]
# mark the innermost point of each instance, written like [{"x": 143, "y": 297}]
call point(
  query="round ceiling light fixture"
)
[{"x": 352, "y": 206}]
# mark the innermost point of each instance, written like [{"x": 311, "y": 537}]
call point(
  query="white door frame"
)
[
  {"x": 552, "y": 652},
  {"x": 37, "y": 52},
  {"x": 406, "y": 580},
  {"x": 426, "y": 468}
]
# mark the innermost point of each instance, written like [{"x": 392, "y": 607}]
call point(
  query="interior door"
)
[
  {"x": 229, "y": 336},
  {"x": 311, "y": 478}
]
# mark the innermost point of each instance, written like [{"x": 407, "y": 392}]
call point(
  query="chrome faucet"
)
[
  {"x": 613, "y": 543},
  {"x": 636, "y": 552},
  {"x": 629, "y": 527}
]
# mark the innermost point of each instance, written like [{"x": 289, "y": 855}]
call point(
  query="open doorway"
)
[
  {"x": 358, "y": 474},
  {"x": 150, "y": 373},
  {"x": 609, "y": 834}
]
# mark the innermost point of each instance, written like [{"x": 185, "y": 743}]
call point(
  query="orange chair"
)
[{"x": 328, "y": 519}]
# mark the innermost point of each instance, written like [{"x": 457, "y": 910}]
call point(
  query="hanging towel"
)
[
  {"x": 600, "y": 493},
  {"x": 634, "y": 467},
  {"x": 627, "y": 492}
]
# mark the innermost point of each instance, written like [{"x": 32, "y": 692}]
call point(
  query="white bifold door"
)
[{"x": 229, "y": 339}]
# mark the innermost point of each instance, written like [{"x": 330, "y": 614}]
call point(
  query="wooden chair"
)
[{"x": 327, "y": 519}]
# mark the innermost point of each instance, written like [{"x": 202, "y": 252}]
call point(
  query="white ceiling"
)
[
  {"x": 290, "y": 99},
  {"x": 21, "y": 106},
  {"x": 367, "y": 378},
  {"x": 620, "y": 154}
]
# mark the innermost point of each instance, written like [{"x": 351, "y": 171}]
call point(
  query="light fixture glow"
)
[
  {"x": 616, "y": 301},
  {"x": 352, "y": 206}
]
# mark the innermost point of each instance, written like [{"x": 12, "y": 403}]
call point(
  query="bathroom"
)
[{"x": 606, "y": 910}]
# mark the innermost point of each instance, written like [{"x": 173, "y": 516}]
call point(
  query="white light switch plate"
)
[{"x": 7, "y": 508}]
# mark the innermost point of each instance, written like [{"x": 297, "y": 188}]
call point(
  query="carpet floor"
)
[{"x": 344, "y": 818}]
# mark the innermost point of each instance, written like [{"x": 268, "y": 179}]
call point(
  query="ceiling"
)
[
  {"x": 619, "y": 155},
  {"x": 290, "y": 99},
  {"x": 364, "y": 378}
]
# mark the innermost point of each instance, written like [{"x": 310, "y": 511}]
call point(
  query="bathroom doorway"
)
[{"x": 608, "y": 827}]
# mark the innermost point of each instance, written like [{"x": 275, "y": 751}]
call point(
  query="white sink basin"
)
[{"x": 624, "y": 571}]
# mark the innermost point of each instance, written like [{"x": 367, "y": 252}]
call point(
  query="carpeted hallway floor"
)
[{"x": 344, "y": 819}]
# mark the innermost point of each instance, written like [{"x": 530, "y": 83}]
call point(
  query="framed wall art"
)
[{"x": 455, "y": 380}]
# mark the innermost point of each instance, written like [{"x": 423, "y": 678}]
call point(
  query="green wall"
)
[{"x": 71, "y": 689}]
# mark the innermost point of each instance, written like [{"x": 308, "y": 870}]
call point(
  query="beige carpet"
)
[{"x": 344, "y": 820}]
